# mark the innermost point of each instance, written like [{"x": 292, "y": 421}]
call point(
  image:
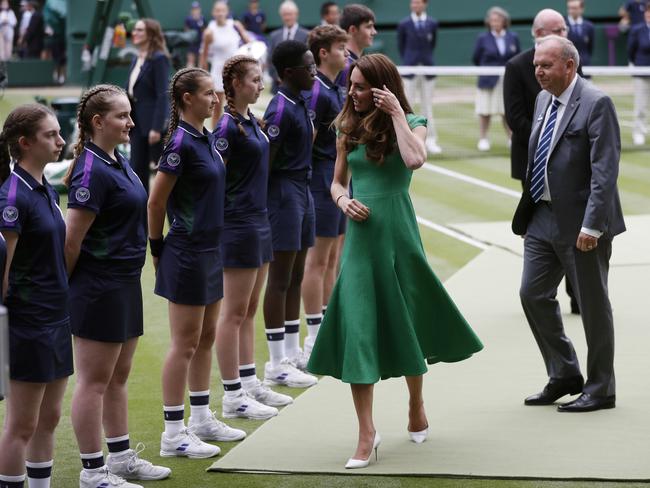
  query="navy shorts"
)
[
  {"x": 330, "y": 220},
  {"x": 246, "y": 241},
  {"x": 291, "y": 214},
  {"x": 104, "y": 309},
  {"x": 40, "y": 354},
  {"x": 189, "y": 277}
]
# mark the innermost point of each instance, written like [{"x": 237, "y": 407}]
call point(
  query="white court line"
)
[
  {"x": 452, "y": 233},
  {"x": 474, "y": 181}
]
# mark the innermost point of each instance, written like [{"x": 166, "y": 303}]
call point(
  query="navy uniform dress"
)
[
  {"x": 290, "y": 204},
  {"x": 246, "y": 240},
  {"x": 40, "y": 343},
  {"x": 325, "y": 102},
  {"x": 105, "y": 290},
  {"x": 190, "y": 269}
]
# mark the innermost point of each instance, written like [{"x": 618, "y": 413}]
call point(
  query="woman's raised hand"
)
[{"x": 386, "y": 101}]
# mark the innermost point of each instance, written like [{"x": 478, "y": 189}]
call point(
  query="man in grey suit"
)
[
  {"x": 290, "y": 30},
  {"x": 569, "y": 212}
]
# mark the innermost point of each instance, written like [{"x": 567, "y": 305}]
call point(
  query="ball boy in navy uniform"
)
[
  {"x": 36, "y": 296},
  {"x": 358, "y": 21},
  {"x": 189, "y": 272},
  {"x": 327, "y": 44},
  {"x": 246, "y": 245},
  {"x": 105, "y": 248},
  {"x": 291, "y": 212}
]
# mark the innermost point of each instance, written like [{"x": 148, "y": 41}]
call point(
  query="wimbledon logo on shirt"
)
[
  {"x": 173, "y": 159},
  {"x": 82, "y": 194},
  {"x": 274, "y": 130},
  {"x": 10, "y": 214},
  {"x": 221, "y": 144}
]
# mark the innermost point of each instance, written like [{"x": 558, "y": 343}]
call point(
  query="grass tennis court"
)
[{"x": 440, "y": 199}]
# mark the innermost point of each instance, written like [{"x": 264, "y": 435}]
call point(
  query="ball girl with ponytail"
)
[
  {"x": 105, "y": 250},
  {"x": 190, "y": 185},
  {"x": 246, "y": 243},
  {"x": 35, "y": 294}
]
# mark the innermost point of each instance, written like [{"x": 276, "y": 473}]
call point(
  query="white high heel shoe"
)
[
  {"x": 420, "y": 436},
  {"x": 362, "y": 463}
]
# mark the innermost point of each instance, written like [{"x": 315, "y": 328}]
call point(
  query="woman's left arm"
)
[
  {"x": 242, "y": 32},
  {"x": 409, "y": 141}
]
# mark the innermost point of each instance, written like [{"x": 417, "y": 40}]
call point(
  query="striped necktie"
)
[{"x": 541, "y": 155}]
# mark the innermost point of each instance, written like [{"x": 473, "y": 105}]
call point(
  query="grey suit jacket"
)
[
  {"x": 275, "y": 38},
  {"x": 582, "y": 168}
]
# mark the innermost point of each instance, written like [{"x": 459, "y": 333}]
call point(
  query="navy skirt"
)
[
  {"x": 103, "y": 308},
  {"x": 189, "y": 277},
  {"x": 40, "y": 354},
  {"x": 246, "y": 241}
]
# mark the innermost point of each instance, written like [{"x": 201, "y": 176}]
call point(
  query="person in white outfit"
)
[
  {"x": 8, "y": 23},
  {"x": 221, "y": 39}
]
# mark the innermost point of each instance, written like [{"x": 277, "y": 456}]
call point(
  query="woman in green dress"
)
[{"x": 389, "y": 315}]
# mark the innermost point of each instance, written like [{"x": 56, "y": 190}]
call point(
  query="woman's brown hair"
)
[
  {"x": 155, "y": 37},
  {"x": 96, "y": 101},
  {"x": 236, "y": 69},
  {"x": 373, "y": 128},
  {"x": 185, "y": 80},
  {"x": 23, "y": 121}
]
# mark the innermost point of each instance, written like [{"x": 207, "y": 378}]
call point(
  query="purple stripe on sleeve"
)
[
  {"x": 176, "y": 141},
  {"x": 315, "y": 91},
  {"x": 88, "y": 164},
  {"x": 11, "y": 196},
  {"x": 223, "y": 125},
  {"x": 279, "y": 111}
]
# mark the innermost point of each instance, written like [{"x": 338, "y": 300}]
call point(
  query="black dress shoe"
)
[
  {"x": 588, "y": 403},
  {"x": 556, "y": 389},
  {"x": 575, "y": 308}
]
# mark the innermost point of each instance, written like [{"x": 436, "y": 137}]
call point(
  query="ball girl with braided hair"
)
[
  {"x": 246, "y": 242},
  {"x": 35, "y": 294},
  {"x": 105, "y": 250},
  {"x": 190, "y": 185}
]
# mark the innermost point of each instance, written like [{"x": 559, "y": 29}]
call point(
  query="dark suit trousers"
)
[
  {"x": 547, "y": 258},
  {"x": 142, "y": 153}
]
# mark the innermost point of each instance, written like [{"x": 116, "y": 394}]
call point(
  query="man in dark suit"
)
[
  {"x": 568, "y": 214},
  {"x": 32, "y": 42},
  {"x": 581, "y": 31},
  {"x": 416, "y": 40},
  {"x": 290, "y": 31},
  {"x": 638, "y": 52}
]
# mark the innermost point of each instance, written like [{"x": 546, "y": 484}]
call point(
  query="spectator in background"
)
[
  {"x": 581, "y": 31},
  {"x": 358, "y": 21},
  {"x": 416, "y": 40},
  {"x": 8, "y": 23},
  {"x": 493, "y": 48},
  {"x": 54, "y": 13},
  {"x": 290, "y": 31},
  {"x": 638, "y": 51},
  {"x": 196, "y": 22},
  {"x": 329, "y": 13},
  {"x": 254, "y": 19},
  {"x": 31, "y": 42},
  {"x": 631, "y": 14}
]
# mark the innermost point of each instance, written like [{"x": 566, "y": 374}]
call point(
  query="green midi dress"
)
[{"x": 388, "y": 314}]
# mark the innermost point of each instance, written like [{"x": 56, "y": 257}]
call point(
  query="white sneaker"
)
[
  {"x": 131, "y": 467},
  {"x": 287, "y": 374},
  {"x": 246, "y": 407},
  {"x": 300, "y": 360},
  {"x": 103, "y": 478},
  {"x": 213, "y": 429},
  {"x": 186, "y": 444},
  {"x": 308, "y": 345},
  {"x": 483, "y": 145},
  {"x": 265, "y": 395},
  {"x": 638, "y": 139},
  {"x": 433, "y": 147}
]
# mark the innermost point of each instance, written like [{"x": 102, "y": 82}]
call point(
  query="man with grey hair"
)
[
  {"x": 290, "y": 31},
  {"x": 520, "y": 88},
  {"x": 569, "y": 213}
]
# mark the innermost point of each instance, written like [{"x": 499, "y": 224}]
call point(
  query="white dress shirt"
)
[
  {"x": 289, "y": 33},
  {"x": 500, "y": 39}
]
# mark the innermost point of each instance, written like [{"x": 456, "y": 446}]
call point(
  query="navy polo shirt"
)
[
  {"x": 38, "y": 281},
  {"x": 197, "y": 200},
  {"x": 253, "y": 22},
  {"x": 342, "y": 78},
  {"x": 247, "y": 163},
  {"x": 289, "y": 127},
  {"x": 117, "y": 239},
  {"x": 636, "y": 9}
]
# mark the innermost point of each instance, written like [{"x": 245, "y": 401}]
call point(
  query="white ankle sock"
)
[
  {"x": 199, "y": 405},
  {"x": 313, "y": 324},
  {"x": 275, "y": 340},
  {"x": 292, "y": 337},
  {"x": 231, "y": 388},
  {"x": 248, "y": 377},
  {"x": 174, "y": 423},
  {"x": 39, "y": 475}
]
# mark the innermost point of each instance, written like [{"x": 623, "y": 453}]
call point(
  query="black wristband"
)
[{"x": 156, "y": 246}]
